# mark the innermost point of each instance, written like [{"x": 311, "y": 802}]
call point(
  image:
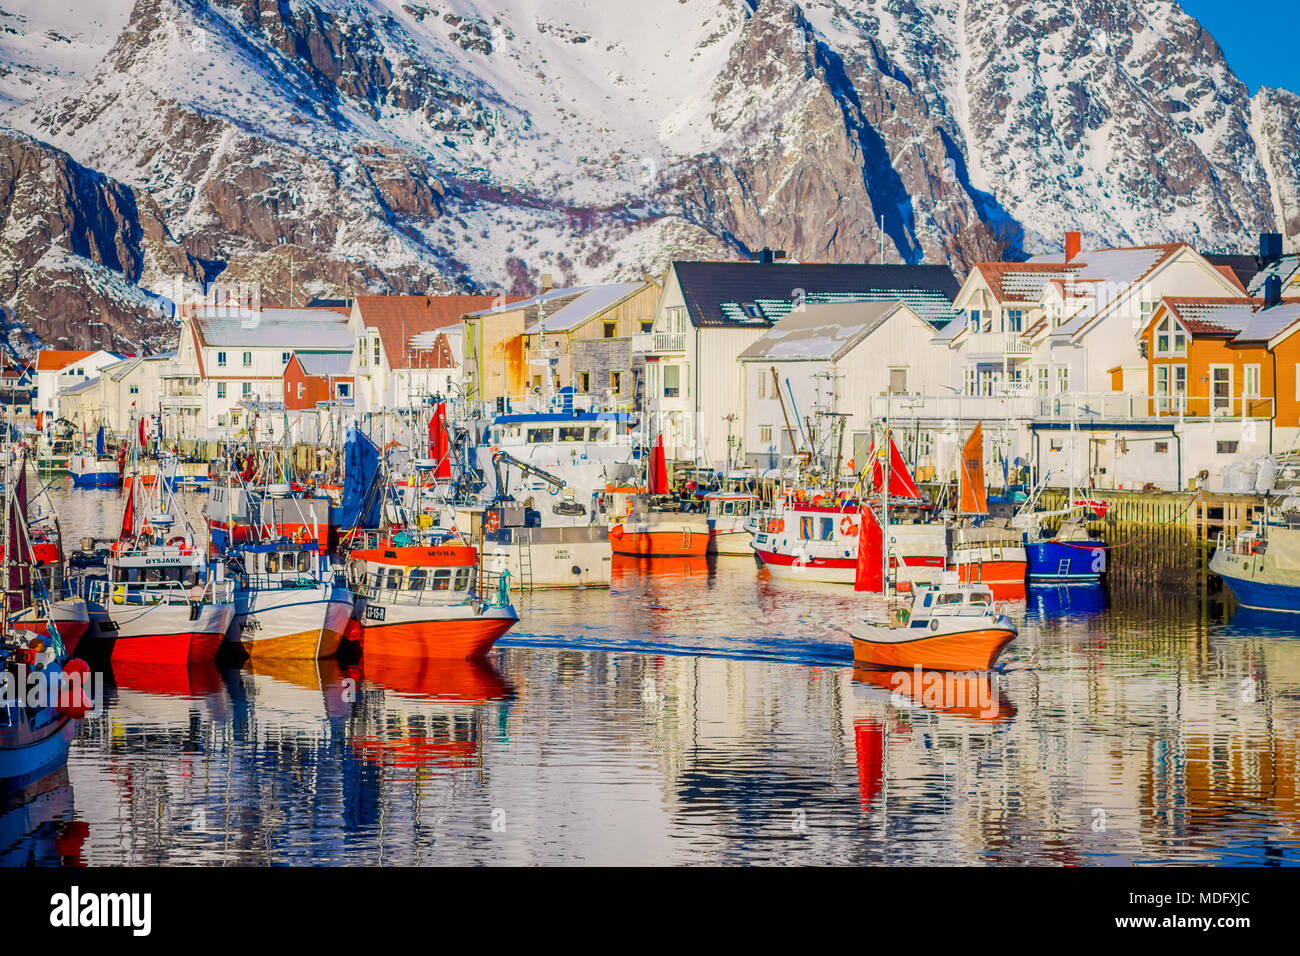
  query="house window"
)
[
  {"x": 762, "y": 384},
  {"x": 221, "y": 421},
  {"x": 248, "y": 360},
  {"x": 343, "y": 389},
  {"x": 1170, "y": 338},
  {"x": 1162, "y": 448},
  {"x": 1056, "y": 444},
  {"x": 135, "y": 389},
  {"x": 584, "y": 381},
  {"x": 974, "y": 319},
  {"x": 246, "y": 390},
  {"x": 647, "y": 325},
  {"x": 376, "y": 350},
  {"x": 611, "y": 329},
  {"x": 1147, "y": 308},
  {"x": 616, "y": 382},
  {"x": 898, "y": 381},
  {"x": 1225, "y": 447},
  {"x": 765, "y": 434},
  {"x": 284, "y": 357},
  {"x": 672, "y": 381},
  {"x": 1062, "y": 379},
  {"x": 300, "y": 390},
  {"x": 1014, "y": 320},
  {"x": 1221, "y": 387},
  {"x": 1250, "y": 381},
  {"x": 970, "y": 383},
  {"x": 221, "y": 360},
  {"x": 221, "y": 390},
  {"x": 361, "y": 351},
  {"x": 1044, "y": 378}
]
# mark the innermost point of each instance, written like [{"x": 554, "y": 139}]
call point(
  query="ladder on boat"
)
[{"x": 525, "y": 554}]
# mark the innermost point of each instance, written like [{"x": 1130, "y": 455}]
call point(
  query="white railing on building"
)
[
  {"x": 1078, "y": 406},
  {"x": 999, "y": 343}
]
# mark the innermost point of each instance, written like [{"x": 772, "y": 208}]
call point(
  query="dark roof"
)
[
  {"x": 721, "y": 293},
  {"x": 1244, "y": 267}
]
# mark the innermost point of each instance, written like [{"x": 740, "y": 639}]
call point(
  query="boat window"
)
[
  {"x": 929, "y": 599},
  {"x": 462, "y": 579},
  {"x": 806, "y": 528},
  {"x": 416, "y": 579},
  {"x": 442, "y": 579},
  {"x": 539, "y": 435},
  {"x": 272, "y": 563},
  {"x": 600, "y": 434},
  {"x": 304, "y": 561},
  {"x": 828, "y": 529},
  {"x": 742, "y": 507},
  {"x": 952, "y": 597},
  {"x": 394, "y": 579},
  {"x": 981, "y": 599},
  {"x": 729, "y": 508},
  {"x": 572, "y": 434}
]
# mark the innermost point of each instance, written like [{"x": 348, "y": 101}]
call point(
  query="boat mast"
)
[{"x": 884, "y": 503}]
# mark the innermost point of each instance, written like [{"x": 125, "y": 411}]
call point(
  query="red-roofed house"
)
[
  {"x": 57, "y": 369},
  {"x": 398, "y": 361}
]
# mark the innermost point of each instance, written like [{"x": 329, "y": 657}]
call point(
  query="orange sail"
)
[{"x": 970, "y": 477}]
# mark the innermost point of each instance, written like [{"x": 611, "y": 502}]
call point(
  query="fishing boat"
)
[
  {"x": 95, "y": 469},
  {"x": 650, "y": 529},
  {"x": 421, "y": 601},
  {"x": 729, "y": 513},
  {"x": 38, "y": 703},
  {"x": 1070, "y": 555},
  {"x": 1261, "y": 566},
  {"x": 950, "y": 626},
  {"x": 154, "y": 602},
  {"x": 288, "y": 601},
  {"x": 817, "y": 539},
  {"x": 55, "y": 447},
  {"x": 980, "y": 548}
]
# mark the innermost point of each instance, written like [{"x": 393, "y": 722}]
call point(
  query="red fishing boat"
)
[{"x": 422, "y": 600}]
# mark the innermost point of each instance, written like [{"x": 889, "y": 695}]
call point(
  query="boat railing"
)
[
  {"x": 106, "y": 592},
  {"x": 376, "y": 588}
]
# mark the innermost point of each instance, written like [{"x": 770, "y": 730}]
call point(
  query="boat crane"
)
[{"x": 500, "y": 458}]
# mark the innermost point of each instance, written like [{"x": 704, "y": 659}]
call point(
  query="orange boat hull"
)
[
  {"x": 661, "y": 544},
  {"x": 964, "y": 651},
  {"x": 457, "y": 639}
]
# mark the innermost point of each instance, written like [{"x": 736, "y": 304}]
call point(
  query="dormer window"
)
[
  {"x": 1171, "y": 339},
  {"x": 1013, "y": 320}
]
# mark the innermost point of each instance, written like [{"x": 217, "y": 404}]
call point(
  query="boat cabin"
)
[
  {"x": 949, "y": 598},
  {"x": 440, "y": 574}
]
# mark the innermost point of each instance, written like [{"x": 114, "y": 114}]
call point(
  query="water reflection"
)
[{"x": 706, "y": 717}]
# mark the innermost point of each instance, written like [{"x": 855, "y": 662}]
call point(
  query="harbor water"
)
[{"x": 698, "y": 712}]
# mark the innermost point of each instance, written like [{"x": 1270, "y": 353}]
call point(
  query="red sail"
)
[
  {"x": 439, "y": 445},
  {"x": 901, "y": 483},
  {"x": 973, "y": 498},
  {"x": 658, "y": 479},
  {"x": 128, "y": 513},
  {"x": 870, "y": 573}
]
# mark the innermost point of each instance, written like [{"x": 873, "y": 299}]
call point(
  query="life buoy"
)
[
  {"x": 771, "y": 526},
  {"x": 494, "y": 521},
  {"x": 847, "y": 527},
  {"x": 616, "y": 532},
  {"x": 176, "y": 541}
]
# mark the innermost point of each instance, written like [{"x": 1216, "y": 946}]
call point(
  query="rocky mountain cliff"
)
[{"x": 321, "y": 147}]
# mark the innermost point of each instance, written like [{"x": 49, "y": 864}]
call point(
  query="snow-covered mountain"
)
[{"x": 322, "y": 147}]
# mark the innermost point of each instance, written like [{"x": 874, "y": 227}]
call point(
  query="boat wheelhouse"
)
[{"x": 729, "y": 514}]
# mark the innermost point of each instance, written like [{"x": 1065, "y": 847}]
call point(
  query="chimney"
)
[
  {"x": 1270, "y": 248},
  {"x": 1272, "y": 291},
  {"x": 1073, "y": 240},
  {"x": 764, "y": 255}
]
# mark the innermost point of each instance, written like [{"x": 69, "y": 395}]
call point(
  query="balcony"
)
[
  {"x": 643, "y": 342},
  {"x": 1078, "y": 407},
  {"x": 999, "y": 344}
]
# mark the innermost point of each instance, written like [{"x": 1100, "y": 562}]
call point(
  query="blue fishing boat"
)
[
  {"x": 1070, "y": 556},
  {"x": 1261, "y": 566},
  {"x": 98, "y": 470}
]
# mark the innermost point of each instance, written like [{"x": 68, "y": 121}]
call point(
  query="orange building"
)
[
  {"x": 1224, "y": 357},
  {"x": 312, "y": 377}
]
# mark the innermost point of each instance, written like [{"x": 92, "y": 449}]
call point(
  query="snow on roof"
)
[
  {"x": 821, "y": 332},
  {"x": 1212, "y": 316},
  {"x": 80, "y": 386},
  {"x": 275, "y": 328},
  {"x": 593, "y": 301},
  {"x": 1118, "y": 269},
  {"x": 1285, "y": 269},
  {"x": 1267, "y": 323},
  {"x": 324, "y": 364}
]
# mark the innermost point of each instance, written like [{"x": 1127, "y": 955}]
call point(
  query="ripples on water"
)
[{"x": 697, "y": 712}]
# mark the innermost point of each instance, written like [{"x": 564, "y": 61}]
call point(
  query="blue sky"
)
[{"x": 1258, "y": 36}]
